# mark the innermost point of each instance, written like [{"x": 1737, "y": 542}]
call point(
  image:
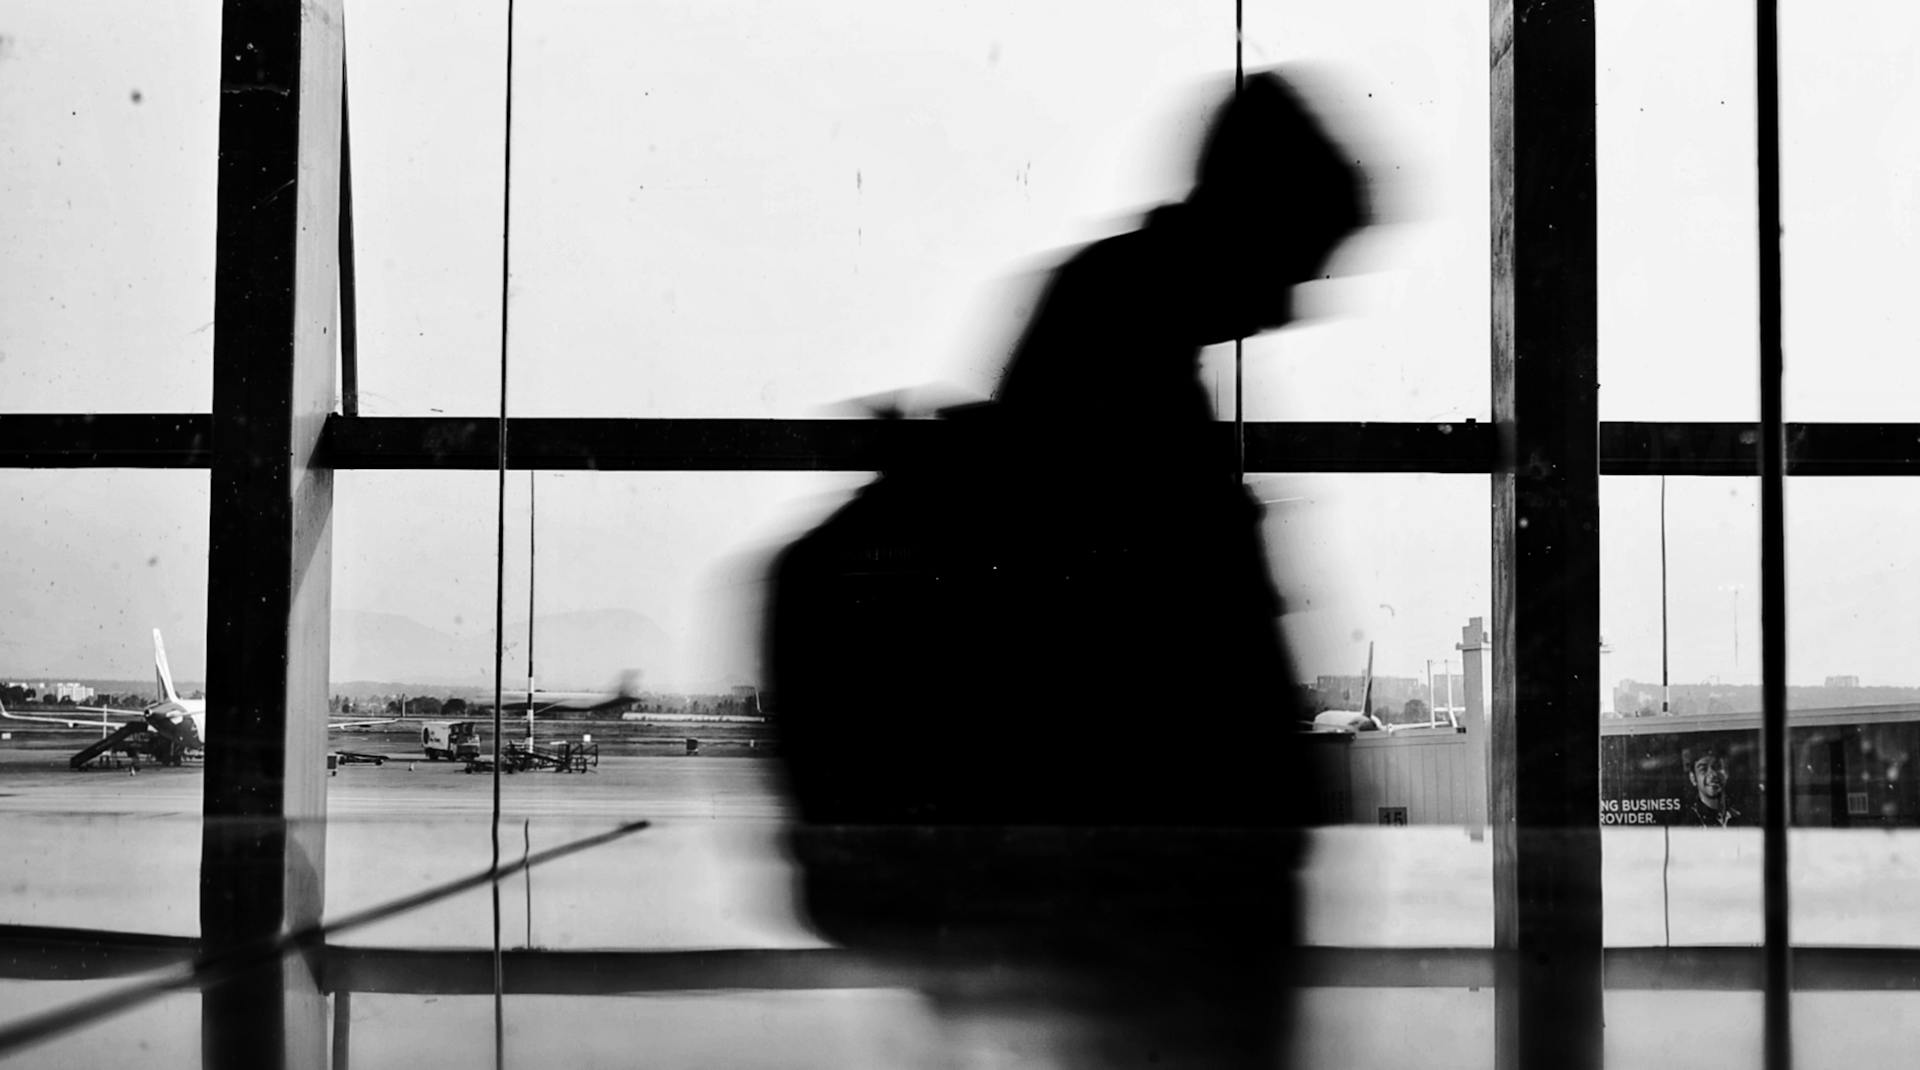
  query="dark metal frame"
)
[
  {"x": 38, "y": 953},
  {"x": 460, "y": 443}
]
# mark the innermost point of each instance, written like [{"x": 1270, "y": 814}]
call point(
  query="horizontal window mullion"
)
[{"x": 184, "y": 440}]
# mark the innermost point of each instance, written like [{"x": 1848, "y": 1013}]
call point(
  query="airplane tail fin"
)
[
  {"x": 163, "y": 675},
  {"x": 1366, "y": 691}
]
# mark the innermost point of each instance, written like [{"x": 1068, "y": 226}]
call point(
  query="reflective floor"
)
[{"x": 110, "y": 850}]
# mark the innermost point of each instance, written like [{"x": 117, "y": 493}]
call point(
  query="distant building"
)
[
  {"x": 1632, "y": 698},
  {"x": 70, "y": 692}
]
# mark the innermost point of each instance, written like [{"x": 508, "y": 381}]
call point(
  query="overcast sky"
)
[{"x": 769, "y": 209}]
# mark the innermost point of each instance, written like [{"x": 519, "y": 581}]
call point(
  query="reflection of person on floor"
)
[
  {"x": 983, "y": 678},
  {"x": 1707, "y": 772}
]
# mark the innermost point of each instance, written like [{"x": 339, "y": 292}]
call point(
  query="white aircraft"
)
[
  {"x": 182, "y": 722},
  {"x": 529, "y": 701},
  {"x": 518, "y": 700},
  {"x": 1351, "y": 721}
]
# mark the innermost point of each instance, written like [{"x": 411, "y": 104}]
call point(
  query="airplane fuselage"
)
[{"x": 182, "y": 720}]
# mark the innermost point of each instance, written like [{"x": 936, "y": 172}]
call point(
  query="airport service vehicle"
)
[
  {"x": 522, "y": 755},
  {"x": 454, "y": 741}
]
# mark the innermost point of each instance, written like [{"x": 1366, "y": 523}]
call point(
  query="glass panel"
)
[
  {"x": 163, "y": 1032},
  {"x": 413, "y": 598},
  {"x": 1400, "y": 330},
  {"x": 96, "y": 562},
  {"x": 1684, "y": 755},
  {"x": 1678, "y": 266},
  {"x": 659, "y": 575},
  {"x": 1855, "y": 705},
  {"x": 1838, "y": 1030},
  {"x": 744, "y": 209},
  {"x": 1851, "y": 248},
  {"x": 1672, "y": 1030},
  {"x": 109, "y": 115},
  {"x": 1388, "y": 1028},
  {"x": 1709, "y": 1030},
  {"x": 875, "y": 1027},
  {"x": 1383, "y": 573},
  {"x": 426, "y": 144},
  {"x": 1854, "y": 713},
  {"x": 645, "y": 601}
]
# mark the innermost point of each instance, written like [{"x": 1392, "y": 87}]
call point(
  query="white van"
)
[{"x": 455, "y": 741}]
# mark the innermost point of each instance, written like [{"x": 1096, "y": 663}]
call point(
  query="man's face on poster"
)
[{"x": 1709, "y": 777}]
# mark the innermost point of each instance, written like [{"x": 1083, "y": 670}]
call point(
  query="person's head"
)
[
  {"x": 1707, "y": 772},
  {"x": 1274, "y": 194}
]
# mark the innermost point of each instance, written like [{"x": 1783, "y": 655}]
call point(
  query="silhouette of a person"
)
[{"x": 1035, "y": 709}]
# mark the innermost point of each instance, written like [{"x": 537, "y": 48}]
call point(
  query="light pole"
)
[
  {"x": 1666, "y": 691},
  {"x": 1735, "y": 588}
]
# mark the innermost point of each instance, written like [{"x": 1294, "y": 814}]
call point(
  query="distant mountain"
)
[{"x": 579, "y": 650}]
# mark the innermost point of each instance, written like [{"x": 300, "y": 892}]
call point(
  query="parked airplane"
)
[
  {"x": 1350, "y": 721},
  {"x": 518, "y": 699},
  {"x": 180, "y": 723},
  {"x": 531, "y": 701}
]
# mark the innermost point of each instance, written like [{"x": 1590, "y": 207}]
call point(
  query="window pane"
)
[
  {"x": 661, "y": 573},
  {"x": 745, "y": 209},
  {"x": 1854, "y": 713},
  {"x": 1678, "y": 266},
  {"x": 645, "y": 601},
  {"x": 1856, "y": 710},
  {"x": 1849, "y": 199},
  {"x": 1670, "y": 1030},
  {"x": 109, "y": 115},
  {"x": 1676, "y": 760},
  {"x": 163, "y": 1032},
  {"x": 413, "y": 596},
  {"x": 1387, "y": 1028},
  {"x": 774, "y": 1030},
  {"x": 1708, "y": 1030},
  {"x": 1383, "y": 572},
  {"x": 1684, "y": 756},
  {"x": 96, "y": 561},
  {"x": 1400, "y": 331}
]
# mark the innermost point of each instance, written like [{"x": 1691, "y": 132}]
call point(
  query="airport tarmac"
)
[{"x": 111, "y": 850}]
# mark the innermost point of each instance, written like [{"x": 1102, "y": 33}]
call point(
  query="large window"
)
[{"x": 737, "y": 231}]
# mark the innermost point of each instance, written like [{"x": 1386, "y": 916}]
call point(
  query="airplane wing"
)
[
  {"x": 72, "y": 722},
  {"x": 360, "y": 724}
]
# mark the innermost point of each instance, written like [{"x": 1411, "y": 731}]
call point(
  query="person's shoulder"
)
[{"x": 1160, "y": 236}]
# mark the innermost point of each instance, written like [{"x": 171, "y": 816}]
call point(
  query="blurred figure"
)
[{"x": 1035, "y": 709}]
